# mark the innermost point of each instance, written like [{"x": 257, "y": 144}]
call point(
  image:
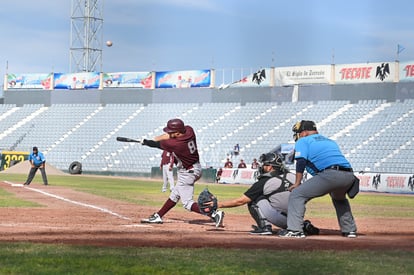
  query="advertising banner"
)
[
  {"x": 228, "y": 176},
  {"x": 240, "y": 176},
  {"x": 77, "y": 81},
  {"x": 286, "y": 76},
  {"x": 246, "y": 176},
  {"x": 389, "y": 183},
  {"x": 365, "y": 73},
  {"x": 183, "y": 79},
  {"x": 29, "y": 81},
  {"x": 128, "y": 80},
  {"x": 369, "y": 182},
  {"x": 261, "y": 78},
  {"x": 407, "y": 71}
]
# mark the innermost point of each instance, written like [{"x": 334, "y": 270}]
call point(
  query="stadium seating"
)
[{"x": 375, "y": 135}]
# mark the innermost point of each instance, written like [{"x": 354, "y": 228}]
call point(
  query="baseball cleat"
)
[
  {"x": 218, "y": 217},
  {"x": 291, "y": 234},
  {"x": 154, "y": 218},
  {"x": 309, "y": 228},
  {"x": 267, "y": 230},
  {"x": 351, "y": 234}
]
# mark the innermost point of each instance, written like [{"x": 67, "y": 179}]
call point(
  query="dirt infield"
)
[{"x": 70, "y": 217}]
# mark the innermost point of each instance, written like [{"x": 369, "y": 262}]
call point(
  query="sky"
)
[{"x": 161, "y": 35}]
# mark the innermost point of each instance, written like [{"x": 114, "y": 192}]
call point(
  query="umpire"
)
[
  {"x": 37, "y": 161},
  {"x": 331, "y": 174}
]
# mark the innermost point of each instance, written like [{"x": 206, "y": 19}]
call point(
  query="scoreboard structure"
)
[{"x": 10, "y": 158}]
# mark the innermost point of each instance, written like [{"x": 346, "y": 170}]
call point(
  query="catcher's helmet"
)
[
  {"x": 274, "y": 160},
  {"x": 304, "y": 125},
  {"x": 175, "y": 125}
]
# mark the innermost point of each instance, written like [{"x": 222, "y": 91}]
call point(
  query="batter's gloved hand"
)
[{"x": 207, "y": 202}]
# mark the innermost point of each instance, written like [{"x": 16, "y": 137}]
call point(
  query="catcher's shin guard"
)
[{"x": 257, "y": 215}]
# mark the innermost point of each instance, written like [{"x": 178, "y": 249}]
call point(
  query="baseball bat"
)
[{"x": 125, "y": 139}]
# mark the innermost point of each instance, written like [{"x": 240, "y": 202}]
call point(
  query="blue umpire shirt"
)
[
  {"x": 320, "y": 153},
  {"x": 37, "y": 159}
]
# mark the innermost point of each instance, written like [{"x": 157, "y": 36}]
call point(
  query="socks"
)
[
  {"x": 170, "y": 204},
  {"x": 195, "y": 208},
  {"x": 166, "y": 207}
]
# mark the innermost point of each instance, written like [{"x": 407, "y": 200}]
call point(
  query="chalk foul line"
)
[{"x": 75, "y": 202}]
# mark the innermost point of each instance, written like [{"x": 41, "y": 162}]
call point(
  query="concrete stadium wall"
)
[{"x": 353, "y": 93}]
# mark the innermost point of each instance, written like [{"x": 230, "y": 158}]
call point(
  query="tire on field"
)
[{"x": 75, "y": 168}]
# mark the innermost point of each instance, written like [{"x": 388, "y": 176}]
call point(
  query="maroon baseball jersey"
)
[
  {"x": 167, "y": 158},
  {"x": 183, "y": 147}
]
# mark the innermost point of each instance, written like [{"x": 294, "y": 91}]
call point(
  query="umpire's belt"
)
[{"x": 338, "y": 168}]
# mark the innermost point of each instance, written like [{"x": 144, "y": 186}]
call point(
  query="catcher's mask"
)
[
  {"x": 300, "y": 126},
  {"x": 272, "y": 159}
]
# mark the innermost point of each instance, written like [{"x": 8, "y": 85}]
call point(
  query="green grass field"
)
[{"x": 27, "y": 258}]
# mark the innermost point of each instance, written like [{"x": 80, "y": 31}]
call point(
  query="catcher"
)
[{"x": 267, "y": 199}]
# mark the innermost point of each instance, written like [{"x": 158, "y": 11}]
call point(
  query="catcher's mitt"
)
[{"x": 205, "y": 197}]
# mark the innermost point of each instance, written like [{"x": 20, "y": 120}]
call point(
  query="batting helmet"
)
[
  {"x": 304, "y": 125},
  {"x": 175, "y": 125}
]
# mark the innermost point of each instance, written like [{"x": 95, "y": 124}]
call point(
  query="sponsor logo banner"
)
[
  {"x": 76, "y": 81},
  {"x": 29, "y": 81},
  {"x": 261, "y": 78},
  {"x": 389, "y": 183},
  {"x": 365, "y": 73},
  {"x": 183, "y": 79},
  {"x": 286, "y": 76},
  {"x": 128, "y": 80},
  {"x": 407, "y": 71},
  {"x": 236, "y": 175}
]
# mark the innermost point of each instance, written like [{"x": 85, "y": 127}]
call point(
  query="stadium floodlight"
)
[{"x": 86, "y": 36}]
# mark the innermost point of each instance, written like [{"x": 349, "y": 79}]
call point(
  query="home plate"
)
[
  {"x": 136, "y": 225},
  {"x": 13, "y": 184}
]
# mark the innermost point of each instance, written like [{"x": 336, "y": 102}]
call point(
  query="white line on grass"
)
[{"x": 74, "y": 202}]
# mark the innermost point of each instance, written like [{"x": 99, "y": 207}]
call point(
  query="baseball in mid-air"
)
[{"x": 109, "y": 43}]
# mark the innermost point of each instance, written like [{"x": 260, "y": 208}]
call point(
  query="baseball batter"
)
[
  {"x": 331, "y": 174},
  {"x": 180, "y": 140}
]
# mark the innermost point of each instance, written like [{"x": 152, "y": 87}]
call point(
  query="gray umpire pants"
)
[
  {"x": 332, "y": 182},
  {"x": 32, "y": 174}
]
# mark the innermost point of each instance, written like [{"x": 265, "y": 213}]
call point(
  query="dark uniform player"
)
[
  {"x": 180, "y": 139},
  {"x": 255, "y": 164},
  {"x": 37, "y": 161},
  {"x": 267, "y": 198},
  {"x": 242, "y": 164},
  {"x": 228, "y": 164}
]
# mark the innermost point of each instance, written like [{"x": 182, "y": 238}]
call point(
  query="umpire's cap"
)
[
  {"x": 300, "y": 126},
  {"x": 175, "y": 125},
  {"x": 304, "y": 125}
]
